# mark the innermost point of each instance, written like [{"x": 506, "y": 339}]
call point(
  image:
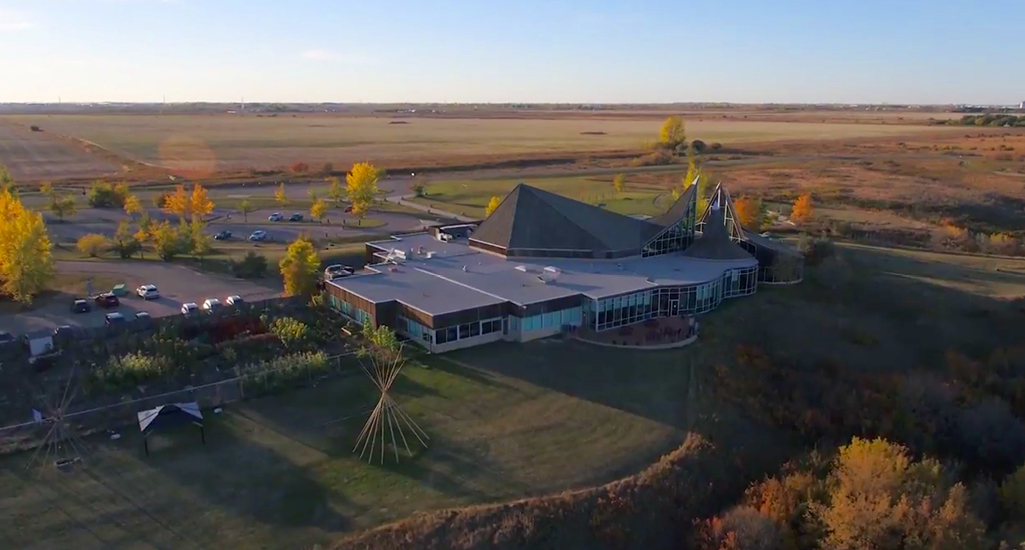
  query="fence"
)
[{"x": 251, "y": 385}]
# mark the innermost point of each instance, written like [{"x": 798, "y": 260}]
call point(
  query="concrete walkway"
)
[{"x": 403, "y": 200}]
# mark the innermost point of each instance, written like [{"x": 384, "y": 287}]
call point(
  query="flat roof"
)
[{"x": 458, "y": 277}]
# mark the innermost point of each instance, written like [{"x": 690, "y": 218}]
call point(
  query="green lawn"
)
[
  {"x": 504, "y": 420},
  {"x": 470, "y": 197}
]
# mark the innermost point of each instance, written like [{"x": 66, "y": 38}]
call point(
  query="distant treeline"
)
[{"x": 990, "y": 120}]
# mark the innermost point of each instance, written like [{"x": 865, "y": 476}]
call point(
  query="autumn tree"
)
[
  {"x": 200, "y": 243},
  {"x": 7, "y": 181},
  {"x": 299, "y": 267},
  {"x": 750, "y": 213},
  {"x": 361, "y": 187},
  {"x": 280, "y": 196},
  {"x": 124, "y": 242},
  {"x": 696, "y": 174},
  {"x": 672, "y": 133},
  {"x": 168, "y": 240},
  {"x": 245, "y": 207},
  {"x": 803, "y": 209},
  {"x": 132, "y": 206},
  {"x": 143, "y": 235},
  {"x": 318, "y": 210},
  {"x": 179, "y": 203},
  {"x": 492, "y": 205},
  {"x": 617, "y": 183},
  {"x": 92, "y": 244},
  {"x": 26, "y": 262},
  {"x": 335, "y": 190},
  {"x": 60, "y": 206},
  {"x": 201, "y": 205}
]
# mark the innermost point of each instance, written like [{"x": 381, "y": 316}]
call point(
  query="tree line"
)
[{"x": 994, "y": 120}]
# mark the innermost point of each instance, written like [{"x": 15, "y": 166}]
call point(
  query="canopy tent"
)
[{"x": 170, "y": 416}]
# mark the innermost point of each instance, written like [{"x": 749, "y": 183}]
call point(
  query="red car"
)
[{"x": 107, "y": 300}]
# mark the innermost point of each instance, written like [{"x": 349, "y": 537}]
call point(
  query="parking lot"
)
[{"x": 177, "y": 285}]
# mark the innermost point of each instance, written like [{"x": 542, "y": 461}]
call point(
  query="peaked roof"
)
[
  {"x": 721, "y": 199},
  {"x": 689, "y": 199},
  {"x": 714, "y": 243},
  {"x": 531, "y": 218},
  {"x": 173, "y": 413}
]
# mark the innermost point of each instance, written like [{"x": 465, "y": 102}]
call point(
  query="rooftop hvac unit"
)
[
  {"x": 400, "y": 254},
  {"x": 430, "y": 254},
  {"x": 444, "y": 237},
  {"x": 521, "y": 268}
]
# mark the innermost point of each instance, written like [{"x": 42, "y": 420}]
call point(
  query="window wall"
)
[
  {"x": 740, "y": 282},
  {"x": 620, "y": 311},
  {"x": 414, "y": 330},
  {"x": 349, "y": 310},
  {"x": 674, "y": 238},
  {"x": 556, "y": 319},
  {"x": 467, "y": 330}
]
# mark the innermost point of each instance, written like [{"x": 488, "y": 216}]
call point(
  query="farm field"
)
[
  {"x": 204, "y": 144},
  {"x": 37, "y": 156},
  {"x": 505, "y": 421}
]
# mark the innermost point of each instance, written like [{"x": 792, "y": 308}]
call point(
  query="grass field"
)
[
  {"x": 203, "y": 144},
  {"x": 470, "y": 197},
  {"x": 505, "y": 421}
]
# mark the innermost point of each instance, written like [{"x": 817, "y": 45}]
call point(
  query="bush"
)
[
  {"x": 283, "y": 372},
  {"x": 656, "y": 158},
  {"x": 699, "y": 146},
  {"x": 105, "y": 195},
  {"x": 35, "y": 128},
  {"x": 816, "y": 250},
  {"x": 252, "y": 266},
  {"x": 292, "y": 333},
  {"x": 129, "y": 370},
  {"x": 419, "y": 190},
  {"x": 741, "y": 528},
  {"x": 93, "y": 244},
  {"x": 716, "y": 146},
  {"x": 299, "y": 168},
  {"x": 328, "y": 168}
]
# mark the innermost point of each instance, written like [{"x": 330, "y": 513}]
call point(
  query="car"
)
[
  {"x": 337, "y": 270},
  {"x": 297, "y": 217},
  {"x": 212, "y": 304},
  {"x": 143, "y": 316},
  {"x": 189, "y": 308},
  {"x": 6, "y": 337},
  {"x": 222, "y": 235},
  {"x": 258, "y": 235},
  {"x": 115, "y": 318},
  {"x": 234, "y": 300},
  {"x": 63, "y": 331},
  {"x": 275, "y": 217},
  {"x": 348, "y": 209},
  {"x": 81, "y": 306},
  {"x": 107, "y": 300},
  {"x": 148, "y": 292}
]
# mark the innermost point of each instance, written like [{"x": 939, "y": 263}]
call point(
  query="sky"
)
[{"x": 544, "y": 51}]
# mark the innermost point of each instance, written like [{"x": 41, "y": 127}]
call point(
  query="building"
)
[{"x": 542, "y": 264}]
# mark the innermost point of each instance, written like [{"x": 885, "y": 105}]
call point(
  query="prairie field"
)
[
  {"x": 37, "y": 156},
  {"x": 205, "y": 144}
]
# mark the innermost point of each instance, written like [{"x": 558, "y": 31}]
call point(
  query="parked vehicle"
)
[
  {"x": 81, "y": 306},
  {"x": 6, "y": 337},
  {"x": 114, "y": 319},
  {"x": 143, "y": 316},
  {"x": 336, "y": 271},
  {"x": 189, "y": 308},
  {"x": 258, "y": 235},
  {"x": 234, "y": 300},
  {"x": 275, "y": 217},
  {"x": 297, "y": 217},
  {"x": 212, "y": 304},
  {"x": 222, "y": 235},
  {"x": 63, "y": 331},
  {"x": 148, "y": 292},
  {"x": 348, "y": 209},
  {"x": 107, "y": 300}
]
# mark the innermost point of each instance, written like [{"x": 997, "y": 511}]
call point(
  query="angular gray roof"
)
[
  {"x": 679, "y": 208},
  {"x": 531, "y": 218},
  {"x": 715, "y": 243}
]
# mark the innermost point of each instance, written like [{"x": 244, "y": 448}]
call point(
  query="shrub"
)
[
  {"x": 252, "y": 266},
  {"x": 716, "y": 146},
  {"x": 419, "y": 189},
  {"x": 285, "y": 371},
  {"x": 741, "y": 528},
  {"x": 328, "y": 168},
  {"x": 35, "y": 128},
  {"x": 299, "y": 168},
  {"x": 93, "y": 244},
  {"x": 105, "y": 195},
  {"x": 655, "y": 158},
  {"x": 699, "y": 146},
  {"x": 816, "y": 250},
  {"x": 129, "y": 370},
  {"x": 292, "y": 333}
]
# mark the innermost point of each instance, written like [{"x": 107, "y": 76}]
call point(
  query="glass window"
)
[
  {"x": 464, "y": 331},
  {"x": 474, "y": 329}
]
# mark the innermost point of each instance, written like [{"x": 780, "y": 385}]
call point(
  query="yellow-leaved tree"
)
[
  {"x": 361, "y": 187},
  {"x": 695, "y": 172},
  {"x": 750, "y": 213},
  {"x": 299, "y": 267},
  {"x": 492, "y": 205},
  {"x": 132, "y": 206},
  {"x": 617, "y": 183},
  {"x": 26, "y": 262},
  {"x": 803, "y": 209},
  {"x": 201, "y": 205},
  {"x": 245, "y": 207},
  {"x": 280, "y": 196},
  {"x": 179, "y": 203},
  {"x": 673, "y": 133},
  {"x": 318, "y": 209}
]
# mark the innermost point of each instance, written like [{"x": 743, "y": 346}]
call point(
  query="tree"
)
[
  {"x": 803, "y": 209},
  {"x": 93, "y": 244},
  {"x": 419, "y": 188},
  {"x": 105, "y": 195},
  {"x": 159, "y": 201},
  {"x": 328, "y": 168},
  {"x": 132, "y": 206},
  {"x": 299, "y": 167},
  {"x": 201, "y": 205},
  {"x": 7, "y": 182},
  {"x": 143, "y": 235},
  {"x": 125, "y": 243},
  {"x": 318, "y": 209},
  {"x": 26, "y": 262},
  {"x": 361, "y": 187},
  {"x": 672, "y": 133},
  {"x": 292, "y": 332},
  {"x": 335, "y": 191},
  {"x": 492, "y": 205},
  {"x": 59, "y": 206},
  {"x": 245, "y": 208},
  {"x": 168, "y": 240},
  {"x": 696, "y": 173},
  {"x": 252, "y": 266},
  {"x": 617, "y": 183},
  {"x": 280, "y": 196},
  {"x": 201, "y": 244},
  {"x": 751, "y": 213},
  {"x": 179, "y": 203},
  {"x": 299, "y": 267}
]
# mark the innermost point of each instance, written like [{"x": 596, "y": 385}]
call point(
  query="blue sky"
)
[{"x": 941, "y": 51}]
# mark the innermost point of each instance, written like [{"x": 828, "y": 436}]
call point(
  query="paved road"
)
[{"x": 177, "y": 285}]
